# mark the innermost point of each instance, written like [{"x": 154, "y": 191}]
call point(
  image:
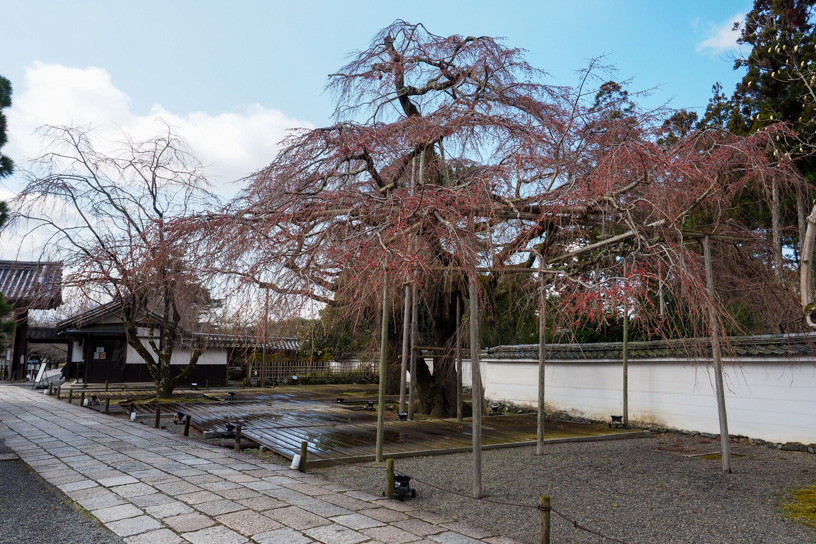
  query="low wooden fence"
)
[{"x": 289, "y": 372}]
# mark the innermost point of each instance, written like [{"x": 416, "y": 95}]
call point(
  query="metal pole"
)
[
  {"x": 238, "y": 437},
  {"x": 187, "y": 425},
  {"x": 477, "y": 387},
  {"x": 406, "y": 349},
  {"x": 383, "y": 360},
  {"x": 459, "y": 357},
  {"x": 714, "y": 326}
]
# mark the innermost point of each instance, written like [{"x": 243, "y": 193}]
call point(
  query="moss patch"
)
[
  {"x": 803, "y": 506},
  {"x": 714, "y": 456}
]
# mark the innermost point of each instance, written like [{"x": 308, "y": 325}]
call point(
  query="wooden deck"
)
[{"x": 345, "y": 432}]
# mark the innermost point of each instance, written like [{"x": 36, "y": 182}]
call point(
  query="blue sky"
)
[{"x": 233, "y": 76}]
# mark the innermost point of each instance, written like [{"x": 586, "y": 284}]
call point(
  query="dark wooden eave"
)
[{"x": 31, "y": 285}]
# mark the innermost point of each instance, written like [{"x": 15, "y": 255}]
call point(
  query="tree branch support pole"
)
[
  {"x": 413, "y": 356},
  {"x": 383, "y": 358},
  {"x": 776, "y": 228},
  {"x": 459, "y": 414},
  {"x": 406, "y": 348},
  {"x": 263, "y": 349},
  {"x": 625, "y": 357},
  {"x": 714, "y": 326},
  {"x": 414, "y": 303},
  {"x": 478, "y": 395},
  {"x": 542, "y": 360}
]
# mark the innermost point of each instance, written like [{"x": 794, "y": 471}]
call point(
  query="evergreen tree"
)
[{"x": 6, "y": 167}]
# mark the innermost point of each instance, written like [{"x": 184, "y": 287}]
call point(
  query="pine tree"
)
[{"x": 6, "y": 167}]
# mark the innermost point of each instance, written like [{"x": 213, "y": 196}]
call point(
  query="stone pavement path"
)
[{"x": 153, "y": 487}]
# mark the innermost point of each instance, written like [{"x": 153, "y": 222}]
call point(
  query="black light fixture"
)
[
  {"x": 229, "y": 427},
  {"x": 402, "y": 416},
  {"x": 369, "y": 406},
  {"x": 231, "y": 395},
  {"x": 617, "y": 422},
  {"x": 495, "y": 409},
  {"x": 339, "y": 400},
  {"x": 179, "y": 418},
  {"x": 94, "y": 400},
  {"x": 194, "y": 385},
  {"x": 402, "y": 486}
]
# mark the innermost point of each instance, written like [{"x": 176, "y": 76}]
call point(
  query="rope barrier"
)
[{"x": 538, "y": 507}]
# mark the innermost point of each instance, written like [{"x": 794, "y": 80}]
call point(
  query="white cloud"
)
[
  {"x": 230, "y": 145},
  {"x": 720, "y": 38}
]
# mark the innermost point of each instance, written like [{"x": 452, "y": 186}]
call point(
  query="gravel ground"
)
[
  {"x": 641, "y": 491},
  {"x": 35, "y": 513}
]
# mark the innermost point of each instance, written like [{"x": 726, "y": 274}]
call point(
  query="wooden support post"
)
[
  {"x": 70, "y": 396},
  {"x": 82, "y": 399},
  {"x": 714, "y": 327},
  {"x": 207, "y": 384},
  {"x": 383, "y": 362},
  {"x": 459, "y": 401},
  {"x": 406, "y": 339},
  {"x": 132, "y": 407},
  {"x": 187, "y": 425},
  {"x": 158, "y": 418},
  {"x": 51, "y": 388},
  {"x": 107, "y": 405},
  {"x": 389, "y": 481},
  {"x": 304, "y": 449},
  {"x": 542, "y": 362},
  {"x": 59, "y": 392},
  {"x": 544, "y": 511},
  {"x": 478, "y": 400},
  {"x": 106, "y": 386},
  {"x": 238, "y": 437}
]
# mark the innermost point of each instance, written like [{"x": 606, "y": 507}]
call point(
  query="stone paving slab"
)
[{"x": 153, "y": 487}]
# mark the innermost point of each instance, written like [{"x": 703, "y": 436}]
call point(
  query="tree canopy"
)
[
  {"x": 108, "y": 215},
  {"x": 452, "y": 157}
]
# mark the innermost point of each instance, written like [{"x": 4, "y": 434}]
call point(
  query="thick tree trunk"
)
[
  {"x": 806, "y": 270},
  {"x": 437, "y": 391}
]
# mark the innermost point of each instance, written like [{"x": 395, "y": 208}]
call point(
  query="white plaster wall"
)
[
  {"x": 181, "y": 356},
  {"x": 771, "y": 400}
]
